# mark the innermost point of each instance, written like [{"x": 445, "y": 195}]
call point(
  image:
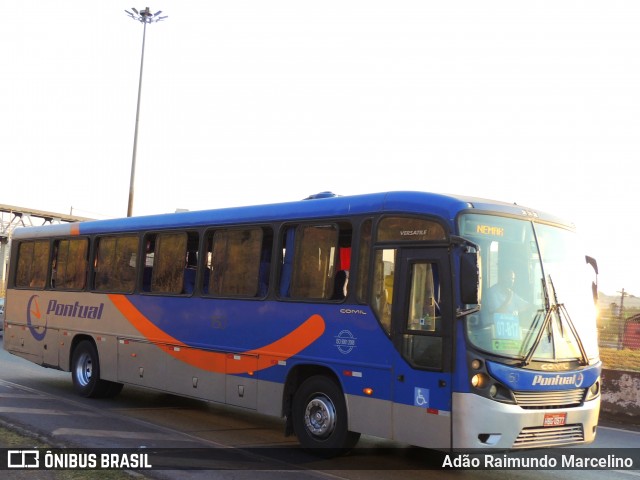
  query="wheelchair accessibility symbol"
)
[{"x": 421, "y": 397}]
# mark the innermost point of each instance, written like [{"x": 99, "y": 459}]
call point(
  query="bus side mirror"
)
[{"x": 470, "y": 278}]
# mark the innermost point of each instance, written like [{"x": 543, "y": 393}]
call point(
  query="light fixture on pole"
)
[{"x": 144, "y": 16}]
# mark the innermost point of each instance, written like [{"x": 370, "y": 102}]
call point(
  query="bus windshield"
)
[{"x": 536, "y": 295}]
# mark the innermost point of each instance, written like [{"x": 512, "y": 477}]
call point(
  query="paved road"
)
[{"x": 247, "y": 444}]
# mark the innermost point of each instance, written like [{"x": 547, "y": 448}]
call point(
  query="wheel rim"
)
[
  {"x": 320, "y": 416},
  {"x": 84, "y": 369}
]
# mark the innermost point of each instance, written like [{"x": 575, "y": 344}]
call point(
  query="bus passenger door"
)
[{"x": 422, "y": 324}]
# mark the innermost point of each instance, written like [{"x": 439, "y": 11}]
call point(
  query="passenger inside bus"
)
[
  {"x": 190, "y": 272},
  {"x": 340, "y": 285}
]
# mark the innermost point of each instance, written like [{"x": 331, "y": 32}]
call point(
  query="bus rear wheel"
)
[
  {"x": 319, "y": 417},
  {"x": 85, "y": 372}
]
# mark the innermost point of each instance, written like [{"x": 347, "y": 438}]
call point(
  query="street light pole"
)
[{"x": 145, "y": 17}]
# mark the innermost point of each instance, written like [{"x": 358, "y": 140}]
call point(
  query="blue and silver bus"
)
[{"x": 439, "y": 321}]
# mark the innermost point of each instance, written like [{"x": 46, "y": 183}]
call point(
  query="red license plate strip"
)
[{"x": 554, "y": 419}]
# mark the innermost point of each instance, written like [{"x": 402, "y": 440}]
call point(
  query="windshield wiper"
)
[
  {"x": 468, "y": 311},
  {"x": 545, "y": 325},
  {"x": 584, "y": 359},
  {"x": 561, "y": 311}
]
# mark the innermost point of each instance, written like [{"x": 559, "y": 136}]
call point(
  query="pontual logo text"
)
[
  {"x": 575, "y": 379},
  {"x": 74, "y": 310}
]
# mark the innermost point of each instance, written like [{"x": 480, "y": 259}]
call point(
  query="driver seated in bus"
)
[
  {"x": 502, "y": 312},
  {"x": 502, "y": 299}
]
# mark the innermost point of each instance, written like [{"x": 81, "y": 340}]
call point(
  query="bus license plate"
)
[{"x": 554, "y": 419}]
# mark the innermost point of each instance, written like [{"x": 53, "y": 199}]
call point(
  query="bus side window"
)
[
  {"x": 238, "y": 262},
  {"x": 424, "y": 305},
  {"x": 169, "y": 263},
  {"x": 115, "y": 264},
  {"x": 315, "y": 261},
  {"x": 69, "y": 265},
  {"x": 422, "y": 344},
  {"x": 33, "y": 264},
  {"x": 383, "y": 283}
]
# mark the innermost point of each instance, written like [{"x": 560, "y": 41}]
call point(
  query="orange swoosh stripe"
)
[
  {"x": 249, "y": 361},
  {"x": 291, "y": 344},
  {"x": 37, "y": 312}
]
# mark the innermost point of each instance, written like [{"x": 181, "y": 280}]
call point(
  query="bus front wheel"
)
[
  {"x": 319, "y": 417},
  {"x": 85, "y": 372}
]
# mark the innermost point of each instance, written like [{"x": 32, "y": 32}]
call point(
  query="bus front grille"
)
[
  {"x": 552, "y": 399},
  {"x": 533, "y": 437}
]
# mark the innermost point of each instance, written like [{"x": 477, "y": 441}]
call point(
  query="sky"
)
[{"x": 262, "y": 101}]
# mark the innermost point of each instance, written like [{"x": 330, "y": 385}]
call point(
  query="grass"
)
[
  {"x": 11, "y": 439},
  {"x": 613, "y": 359}
]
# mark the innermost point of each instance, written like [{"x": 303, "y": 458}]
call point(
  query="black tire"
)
[
  {"x": 85, "y": 372},
  {"x": 319, "y": 418}
]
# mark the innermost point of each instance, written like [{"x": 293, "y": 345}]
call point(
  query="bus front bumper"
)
[{"x": 479, "y": 422}]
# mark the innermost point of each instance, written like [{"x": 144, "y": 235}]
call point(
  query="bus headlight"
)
[
  {"x": 493, "y": 391},
  {"x": 501, "y": 394},
  {"x": 480, "y": 380},
  {"x": 594, "y": 390}
]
